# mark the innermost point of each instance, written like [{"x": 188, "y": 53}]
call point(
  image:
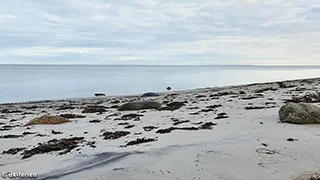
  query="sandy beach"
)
[{"x": 222, "y": 133}]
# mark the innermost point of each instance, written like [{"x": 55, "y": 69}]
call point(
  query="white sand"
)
[{"x": 232, "y": 150}]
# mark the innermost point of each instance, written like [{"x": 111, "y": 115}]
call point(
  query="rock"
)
[
  {"x": 150, "y": 94},
  {"x": 48, "y": 120},
  {"x": 168, "y": 88},
  {"x": 300, "y": 113},
  {"x": 139, "y": 105},
  {"x": 99, "y": 94}
]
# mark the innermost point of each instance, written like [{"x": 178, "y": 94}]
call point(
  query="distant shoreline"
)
[{"x": 161, "y": 93}]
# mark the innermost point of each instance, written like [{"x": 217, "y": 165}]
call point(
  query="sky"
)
[{"x": 163, "y": 32}]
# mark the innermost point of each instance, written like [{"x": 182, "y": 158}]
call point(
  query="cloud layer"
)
[{"x": 263, "y": 32}]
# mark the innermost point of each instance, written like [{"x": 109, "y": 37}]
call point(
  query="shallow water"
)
[{"x": 43, "y": 82}]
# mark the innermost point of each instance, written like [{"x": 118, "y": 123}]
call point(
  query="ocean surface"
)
[{"x": 20, "y": 83}]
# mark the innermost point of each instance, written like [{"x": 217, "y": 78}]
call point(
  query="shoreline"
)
[
  {"x": 218, "y": 133},
  {"x": 218, "y": 88}
]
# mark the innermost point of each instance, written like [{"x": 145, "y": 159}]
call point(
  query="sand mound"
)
[{"x": 48, "y": 120}]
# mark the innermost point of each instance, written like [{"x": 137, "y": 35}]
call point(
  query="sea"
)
[{"x": 20, "y": 83}]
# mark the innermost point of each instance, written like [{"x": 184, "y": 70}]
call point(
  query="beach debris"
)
[
  {"x": 250, "y": 97},
  {"x": 6, "y": 128},
  {"x": 27, "y": 133},
  {"x": 222, "y": 116},
  {"x": 149, "y": 128},
  {"x": 13, "y": 151},
  {"x": 140, "y": 141},
  {"x": 72, "y": 116},
  {"x": 95, "y": 121},
  {"x": 174, "y": 106},
  {"x": 207, "y": 125},
  {"x": 300, "y": 113},
  {"x": 292, "y": 139},
  {"x": 114, "y": 135},
  {"x": 47, "y": 120},
  {"x": 180, "y": 122},
  {"x": 123, "y": 123},
  {"x": 266, "y": 151},
  {"x": 266, "y": 89},
  {"x": 66, "y": 144},
  {"x": 56, "y": 132},
  {"x": 219, "y": 94},
  {"x": 8, "y": 111},
  {"x": 130, "y": 116},
  {"x": 65, "y": 107},
  {"x": 95, "y": 109},
  {"x": 201, "y": 96},
  {"x": 9, "y": 136},
  {"x": 150, "y": 94},
  {"x": 139, "y": 105},
  {"x": 258, "y": 107},
  {"x": 99, "y": 94},
  {"x": 285, "y": 85},
  {"x": 129, "y": 126},
  {"x": 30, "y": 107},
  {"x": 308, "y": 97}
]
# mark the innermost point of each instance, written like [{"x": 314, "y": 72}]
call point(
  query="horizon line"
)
[{"x": 253, "y": 65}]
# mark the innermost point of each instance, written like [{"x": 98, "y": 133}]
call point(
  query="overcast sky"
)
[{"x": 173, "y": 32}]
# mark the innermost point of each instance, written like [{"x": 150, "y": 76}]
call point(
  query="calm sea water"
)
[{"x": 40, "y": 82}]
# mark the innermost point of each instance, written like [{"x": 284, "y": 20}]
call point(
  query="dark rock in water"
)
[
  {"x": 94, "y": 109},
  {"x": 115, "y": 135},
  {"x": 139, "y": 105},
  {"x": 140, "y": 141},
  {"x": 99, "y": 94},
  {"x": 150, "y": 94},
  {"x": 13, "y": 151},
  {"x": 71, "y": 116},
  {"x": 149, "y": 128},
  {"x": 168, "y": 88},
  {"x": 115, "y": 102},
  {"x": 174, "y": 106},
  {"x": 300, "y": 113},
  {"x": 66, "y": 144}
]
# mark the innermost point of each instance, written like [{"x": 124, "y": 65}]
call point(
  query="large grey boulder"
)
[
  {"x": 139, "y": 105},
  {"x": 300, "y": 113}
]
